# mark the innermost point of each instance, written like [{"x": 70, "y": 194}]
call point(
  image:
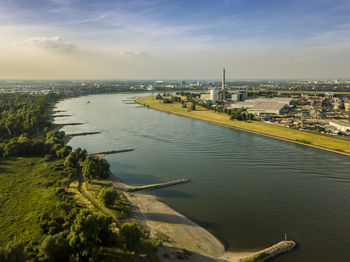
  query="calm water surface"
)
[{"x": 246, "y": 189}]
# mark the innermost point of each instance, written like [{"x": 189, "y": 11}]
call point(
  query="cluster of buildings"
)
[
  {"x": 323, "y": 111},
  {"x": 240, "y": 100}
]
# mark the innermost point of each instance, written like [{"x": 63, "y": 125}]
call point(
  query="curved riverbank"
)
[
  {"x": 183, "y": 233},
  {"x": 330, "y": 144}
]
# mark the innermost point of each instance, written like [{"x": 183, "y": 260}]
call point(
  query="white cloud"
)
[
  {"x": 53, "y": 43},
  {"x": 136, "y": 53}
]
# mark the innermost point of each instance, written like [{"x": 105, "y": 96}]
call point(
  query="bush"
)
[
  {"x": 63, "y": 152},
  {"x": 159, "y": 97},
  {"x": 131, "y": 235},
  {"x": 13, "y": 252},
  {"x": 166, "y": 101},
  {"x": 89, "y": 231},
  {"x": 56, "y": 248},
  {"x": 107, "y": 196},
  {"x": 94, "y": 167}
]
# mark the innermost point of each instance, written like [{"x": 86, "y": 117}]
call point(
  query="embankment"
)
[{"x": 332, "y": 144}]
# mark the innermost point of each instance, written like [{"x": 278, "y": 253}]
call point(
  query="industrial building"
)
[
  {"x": 340, "y": 125},
  {"x": 263, "y": 106},
  {"x": 222, "y": 95}
]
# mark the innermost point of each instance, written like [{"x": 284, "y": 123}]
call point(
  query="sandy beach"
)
[{"x": 182, "y": 232}]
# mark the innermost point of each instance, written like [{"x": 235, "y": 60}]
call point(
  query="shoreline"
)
[
  {"x": 245, "y": 129},
  {"x": 183, "y": 232}
]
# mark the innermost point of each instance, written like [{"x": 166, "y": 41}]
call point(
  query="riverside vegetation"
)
[
  {"x": 184, "y": 104},
  {"x": 54, "y": 202}
]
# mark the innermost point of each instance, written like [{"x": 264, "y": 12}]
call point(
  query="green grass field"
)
[
  {"x": 318, "y": 140},
  {"x": 26, "y": 192}
]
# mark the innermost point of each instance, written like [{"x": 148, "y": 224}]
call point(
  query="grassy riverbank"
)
[
  {"x": 301, "y": 137},
  {"x": 27, "y": 191}
]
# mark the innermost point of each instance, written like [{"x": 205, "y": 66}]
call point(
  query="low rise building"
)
[
  {"x": 342, "y": 126},
  {"x": 261, "y": 106}
]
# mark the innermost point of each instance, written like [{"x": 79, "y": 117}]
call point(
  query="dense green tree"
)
[
  {"x": 94, "y": 167},
  {"x": 131, "y": 235},
  {"x": 63, "y": 152},
  {"x": 108, "y": 196},
  {"x": 12, "y": 252},
  {"x": 72, "y": 160},
  {"x": 88, "y": 232},
  {"x": 56, "y": 248}
]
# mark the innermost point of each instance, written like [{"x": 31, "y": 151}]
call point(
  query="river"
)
[{"x": 248, "y": 190}]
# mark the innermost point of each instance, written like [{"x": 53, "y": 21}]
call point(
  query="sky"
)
[{"x": 174, "y": 39}]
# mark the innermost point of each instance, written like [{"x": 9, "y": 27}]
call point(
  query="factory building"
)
[
  {"x": 213, "y": 96},
  {"x": 263, "y": 106},
  {"x": 340, "y": 125}
]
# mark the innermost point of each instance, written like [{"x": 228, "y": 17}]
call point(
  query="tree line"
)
[{"x": 71, "y": 232}]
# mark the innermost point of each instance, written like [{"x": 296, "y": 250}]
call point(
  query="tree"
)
[
  {"x": 94, "y": 167},
  {"x": 13, "y": 252},
  {"x": 131, "y": 235},
  {"x": 88, "y": 232},
  {"x": 63, "y": 152},
  {"x": 107, "y": 196},
  {"x": 71, "y": 160},
  {"x": 56, "y": 248}
]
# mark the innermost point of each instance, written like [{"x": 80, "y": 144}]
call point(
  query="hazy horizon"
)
[{"x": 163, "y": 39}]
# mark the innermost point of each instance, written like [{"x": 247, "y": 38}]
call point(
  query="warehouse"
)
[{"x": 262, "y": 106}]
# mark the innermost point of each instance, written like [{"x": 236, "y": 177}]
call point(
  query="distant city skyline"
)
[{"x": 164, "y": 39}]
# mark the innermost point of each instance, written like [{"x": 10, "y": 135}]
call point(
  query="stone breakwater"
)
[{"x": 270, "y": 252}]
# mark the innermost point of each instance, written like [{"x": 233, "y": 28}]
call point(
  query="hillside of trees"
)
[{"x": 41, "y": 213}]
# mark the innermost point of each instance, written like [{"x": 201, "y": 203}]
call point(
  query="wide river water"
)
[{"x": 248, "y": 190}]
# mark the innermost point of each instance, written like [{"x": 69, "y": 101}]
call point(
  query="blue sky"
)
[{"x": 174, "y": 39}]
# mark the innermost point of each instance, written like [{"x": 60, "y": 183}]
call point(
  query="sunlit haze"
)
[{"x": 180, "y": 39}]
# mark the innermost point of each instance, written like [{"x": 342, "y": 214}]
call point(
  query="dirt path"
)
[{"x": 83, "y": 190}]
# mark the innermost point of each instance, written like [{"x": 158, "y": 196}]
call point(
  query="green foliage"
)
[
  {"x": 63, "y": 152},
  {"x": 255, "y": 258},
  {"x": 131, "y": 235},
  {"x": 108, "y": 196},
  {"x": 24, "y": 146},
  {"x": 54, "y": 137},
  {"x": 175, "y": 99},
  {"x": 166, "y": 101},
  {"x": 75, "y": 158},
  {"x": 319, "y": 129},
  {"x": 12, "y": 252},
  {"x": 89, "y": 231},
  {"x": 303, "y": 141},
  {"x": 94, "y": 167},
  {"x": 56, "y": 248},
  {"x": 239, "y": 114},
  {"x": 161, "y": 238},
  {"x": 159, "y": 97},
  {"x": 22, "y": 113}
]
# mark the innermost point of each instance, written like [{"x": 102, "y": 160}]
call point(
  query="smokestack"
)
[{"x": 223, "y": 84}]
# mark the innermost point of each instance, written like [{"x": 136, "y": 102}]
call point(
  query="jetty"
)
[
  {"x": 69, "y": 124},
  {"x": 84, "y": 133},
  {"x": 270, "y": 252},
  {"x": 113, "y": 151},
  {"x": 61, "y": 115},
  {"x": 159, "y": 185}
]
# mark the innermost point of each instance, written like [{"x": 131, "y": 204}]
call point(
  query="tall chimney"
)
[{"x": 223, "y": 84}]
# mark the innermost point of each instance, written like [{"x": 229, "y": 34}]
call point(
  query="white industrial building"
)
[
  {"x": 213, "y": 95},
  {"x": 340, "y": 125},
  {"x": 261, "y": 106}
]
